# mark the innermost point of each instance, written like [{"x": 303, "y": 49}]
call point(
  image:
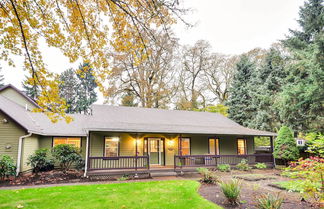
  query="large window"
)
[
  {"x": 241, "y": 147},
  {"x": 67, "y": 140},
  {"x": 111, "y": 146},
  {"x": 213, "y": 147},
  {"x": 185, "y": 146}
]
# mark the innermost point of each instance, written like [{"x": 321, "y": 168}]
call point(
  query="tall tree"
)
[
  {"x": 31, "y": 89},
  {"x": 82, "y": 30},
  {"x": 265, "y": 86},
  {"x": 301, "y": 103},
  {"x": 219, "y": 76},
  {"x": 69, "y": 85},
  {"x": 86, "y": 91},
  {"x": 239, "y": 101},
  {"x": 151, "y": 82},
  {"x": 1, "y": 79},
  {"x": 196, "y": 60}
]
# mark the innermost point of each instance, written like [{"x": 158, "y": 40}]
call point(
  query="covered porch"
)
[{"x": 132, "y": 153}]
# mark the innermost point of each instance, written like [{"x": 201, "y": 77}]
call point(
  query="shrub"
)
[
  {"x": 285, "y": 147},
  {"x": 261, "y": 166},
  {"x": 66, "y": 155},
  {"x": 243, "y": 165},
  {"x": 7, "y": 167},
  {"x": 224, "y": 167},
  {"x": 208, "y": 177},
  {"x": 40, "y": 161},
  {"x": 231, "y": 190},
  {"x": 269, "y": 201}
]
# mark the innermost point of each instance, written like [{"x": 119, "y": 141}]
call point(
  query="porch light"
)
[
  {"x": 171, "y": 142},
  {"x": 115, "y": 139},
  {"x": 138, "y": 141}
]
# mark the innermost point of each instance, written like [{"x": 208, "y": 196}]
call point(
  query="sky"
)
[{"x": 230, "y": 26}]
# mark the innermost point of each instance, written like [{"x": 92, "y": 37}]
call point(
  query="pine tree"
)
[
  {"x": 31, "y": 89},
  {"x": 311, "y": 22},
  {"x": 239, "y": 102},
  {"x": 285, "y": 147},
  {"x": 68, "y": 89},
  {"x": 86, "y": 94},
  {"x": 267, "y": 83}
]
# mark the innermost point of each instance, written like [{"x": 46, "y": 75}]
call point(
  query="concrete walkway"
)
[{"x": 158, "y": 178}]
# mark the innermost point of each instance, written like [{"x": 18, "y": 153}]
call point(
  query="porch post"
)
[
  {"x": 271, "y": 150},
  {"x": 136, "y": 154},
  {"x": 87, "y": 155}
]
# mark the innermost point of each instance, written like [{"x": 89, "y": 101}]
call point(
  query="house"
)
[{"x": 128, "y": 139}]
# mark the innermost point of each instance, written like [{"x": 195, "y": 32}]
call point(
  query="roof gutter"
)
[{"x": 20, "y": 151}]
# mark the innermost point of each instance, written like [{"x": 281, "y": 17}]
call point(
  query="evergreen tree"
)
[
  {"x": 68, "y": 89},
  {"x": 239, "y": 102},
  {"x": 128, "y": 99},
  {"x": 285, "y": 147},
  {"x": 31, "y": 89},
  {"x": 265, "y": 86},
  {"x": 311, "y": 22},
  {"x": 86, "y": 93}
]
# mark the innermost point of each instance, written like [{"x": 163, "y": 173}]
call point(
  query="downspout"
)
[{"x": 20, "y": 151}]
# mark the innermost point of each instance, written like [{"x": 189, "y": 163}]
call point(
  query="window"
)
[
  {"x": 185, "y": 146},
  {"x": 213, "y": 147},
  {"x": 111, "y": 146},
  {"x": 241, "y": 147},
  {"x": 67, "y": 140}
]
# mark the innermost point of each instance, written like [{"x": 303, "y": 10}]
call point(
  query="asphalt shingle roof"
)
[{"x": 128, "y": 119}]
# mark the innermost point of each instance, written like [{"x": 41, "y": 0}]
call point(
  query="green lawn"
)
[{"x": 154, "y": 194}]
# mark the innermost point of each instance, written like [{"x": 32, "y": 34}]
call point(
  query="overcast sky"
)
[{"x": 231, "y": 27}]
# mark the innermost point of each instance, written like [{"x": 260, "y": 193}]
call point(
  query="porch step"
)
[{"x": 163, "y": 173}]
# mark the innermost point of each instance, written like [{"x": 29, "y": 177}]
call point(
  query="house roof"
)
[
  {"x": 128, "y": 119},
  {"x": 19, "y": 92}
]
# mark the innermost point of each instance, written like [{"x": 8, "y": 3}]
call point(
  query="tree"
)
[
  {"x": 1, "y": 79},
  {"x": 219, "y": 75},
  {"x": 31, "y": 89},
  {"x": 69, "y": 85},
  {"x": 86, "y": 89},
  {"x": 239, "y": 101},
  {"x": 151, "y": 82},
  {"x": 285, "y": 145},
  {"x": 196, "y": 60},
  {"x": 83, "y": 30},
  {"x": 265, "y": 86},
  {"x": 220, "y": 108}
]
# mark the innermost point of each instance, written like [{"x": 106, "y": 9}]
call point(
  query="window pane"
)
[
  {"x": 65, "y": 140},
  {"x": 241, "y": 147},
  {"x": 185, "y": 145},
  {"x": 111, "y": 146}
]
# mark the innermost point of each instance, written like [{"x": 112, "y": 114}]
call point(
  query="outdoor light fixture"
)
[
  {"x": 171, "y": 145},
  {"x": 138, "y": 141},
  {"x": 170, "y": 142}
]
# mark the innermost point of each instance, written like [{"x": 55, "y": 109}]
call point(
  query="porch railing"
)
[
  {"x": 182, "y": 161},
  {"x": 120, "y": 162}
]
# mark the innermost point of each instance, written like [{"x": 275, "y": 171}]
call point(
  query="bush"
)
[
  {"x": 224, "y": 167},
  {"x": 261, "y": 166},
  {"x": 41, "y": 161},
  {"x": 66, "y": 155},
  {"x": 231, "y": 190},
  {"x": 269, "y": 201},
  {"x": 7, "y": 167},
  {"x": 243, "y": 165},
  {"x": 285, "y": 147},
  {"x": 208, "y": 176}
]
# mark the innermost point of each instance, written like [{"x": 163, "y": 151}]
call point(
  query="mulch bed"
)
[
  {"x": 248, "y": 198},
  {"x": 56, "y": 177}
]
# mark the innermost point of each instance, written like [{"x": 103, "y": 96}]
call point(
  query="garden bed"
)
[
  {"x": 58, "y": 177},
  {"x": 254, "y": 177},
  {"x": 249, "y": 193}
]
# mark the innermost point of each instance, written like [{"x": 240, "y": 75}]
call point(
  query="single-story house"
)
[{"x": 127, "y": 139}]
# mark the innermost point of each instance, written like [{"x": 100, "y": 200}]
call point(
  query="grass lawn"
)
[{"x": 153, "y": 194}]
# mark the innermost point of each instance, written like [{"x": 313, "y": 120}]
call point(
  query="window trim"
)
[
  {"x": 80, "y": 137},
  {"x": 217, "y": 150},
  {"x": 180, "y": 141},
  {"x": 245, "y": 146},
  {"x": 104, "y": 145}
]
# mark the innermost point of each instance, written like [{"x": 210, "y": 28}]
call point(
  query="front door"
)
[{"x": 156, "y": 151}]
